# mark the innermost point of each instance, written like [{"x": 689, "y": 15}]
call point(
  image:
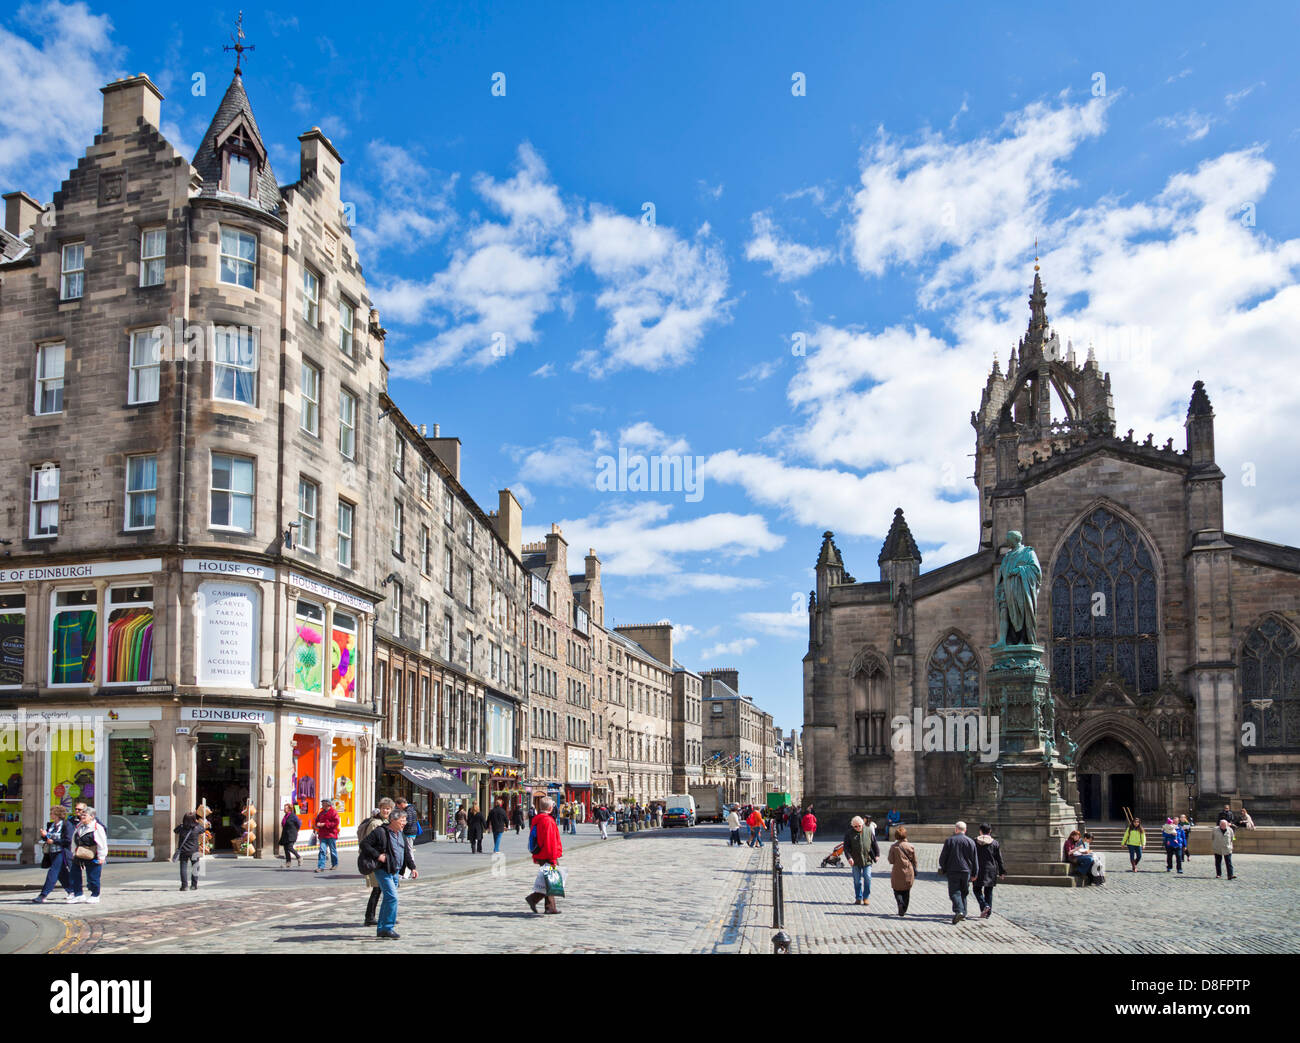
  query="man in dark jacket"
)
[
  {"x": 389, "y": 851},
  {"x": 376, "y": 820},
  {"x": 861, "y": 849},
  {"x": 958, "y": 861},
  {"x": 990, "y": 871},
  {"x": 796, "y": 820},
  {"x": 412, "y": 819},
  {"x": 476, "y": 824},
  {"x": 498, "y": 820}
]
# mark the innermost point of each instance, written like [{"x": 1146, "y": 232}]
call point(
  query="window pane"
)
[{"x": 240, "y": 175}]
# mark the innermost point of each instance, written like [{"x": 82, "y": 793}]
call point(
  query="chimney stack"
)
[
  {"x": 447, "y": 450},
  {"x": 510, "y": 522},
  {"x": 319, "y": 159},
  {"x": 129, "y": 101},
  {"x": 21, "y": 212}
]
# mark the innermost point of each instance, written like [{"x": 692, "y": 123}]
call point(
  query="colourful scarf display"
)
[
  {"x": 130, "y": 645},
  {"x": 74, "y": 647}
]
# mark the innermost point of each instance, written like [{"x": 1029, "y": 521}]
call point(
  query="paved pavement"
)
[{"x": 661, "y": 891}]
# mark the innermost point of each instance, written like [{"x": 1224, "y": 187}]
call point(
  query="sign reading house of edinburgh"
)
[
  {"x": 228, "y": 631},
  {"x": 80, "y": 570},
  {"x": 218, "y": 567},
  {"x": 333, "y": 593},
  {"x": 225, "y": 714}
]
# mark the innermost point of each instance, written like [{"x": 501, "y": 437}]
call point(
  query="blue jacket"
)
[{"x": 1175, "y": 839}]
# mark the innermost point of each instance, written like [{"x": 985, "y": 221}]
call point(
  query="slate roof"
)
[
  {"x": 12, "y": 247},
  {"x": 899, "y": 545},
  {"x": 207, "y": 161}
]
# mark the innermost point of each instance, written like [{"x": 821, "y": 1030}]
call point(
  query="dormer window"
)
[
  {"x": 241, "y": 159},
  {"x": 239, "y": 173}
]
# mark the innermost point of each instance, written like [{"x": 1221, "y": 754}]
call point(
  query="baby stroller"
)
[{"x": 834, "y": 859}]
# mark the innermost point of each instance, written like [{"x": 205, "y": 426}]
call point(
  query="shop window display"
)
[
  {"x": 344, "y": 757},
  {"x": 309, "y": 625},
  {"x": 13, "y": 628},
  {"x": 73, "y": 633},
  {"x": 11, "y": 786},
  {"x": 343, "y": 656},
  {"x": 72, "y": 767},
  {"x": 130, "y": 787},
  {"x": 129, "y": 650},
  {"x": 306, "y": 777}
]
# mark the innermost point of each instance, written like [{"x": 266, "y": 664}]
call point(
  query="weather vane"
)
[
  {"x": 237, "y": 42},
  {"x": 1035, "y": 253}
]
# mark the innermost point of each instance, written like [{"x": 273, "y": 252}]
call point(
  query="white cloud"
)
[
  {"x": 785, "y": 258},
  {"x": 410, "y": 208},
  {"x": 737, "y": 647},
  {"x": 709, "y": 191},
  {"x": 760, "y": 371},
  {"x": 1235, "y": 98},
  {"x": 661, "y": 291},
  {"x": 1194, "y": 124},
  {"x": 643, "y": 436},
  {"x": 56, "y": 57},
  {"x": 544, "y": 371},
  {"x": 779, "y": 624}
]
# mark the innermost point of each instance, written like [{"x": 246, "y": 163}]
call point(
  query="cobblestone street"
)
[{"x": 682, "y": 891}]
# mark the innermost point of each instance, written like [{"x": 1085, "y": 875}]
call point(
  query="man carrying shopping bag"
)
[{"x": 546, "y": 849}]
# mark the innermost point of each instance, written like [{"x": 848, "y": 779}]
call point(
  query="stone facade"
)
[
  {"x": 1171, "y": 643},
  {"x": 734, "y": 752}
]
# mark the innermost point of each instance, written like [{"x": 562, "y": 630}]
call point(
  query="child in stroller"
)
[{"x": 834, "y": 858}]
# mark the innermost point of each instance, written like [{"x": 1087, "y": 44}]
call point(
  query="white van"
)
[{"x": 679, "y": 810}]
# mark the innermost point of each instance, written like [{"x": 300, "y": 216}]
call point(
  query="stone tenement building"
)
[
  {"x": 688, "y": 729},
  {"x": 1174, "y": 646},
  {"x": 190, "y": 581},
  {"x": 450, "y": 645},
  {"x": 733, "y": 728},
  {"x": 643, "y": 657}
]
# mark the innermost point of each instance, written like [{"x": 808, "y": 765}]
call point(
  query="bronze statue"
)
[{"x": 1016, "y": 594}]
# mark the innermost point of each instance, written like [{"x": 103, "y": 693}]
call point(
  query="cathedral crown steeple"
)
[{"x": 899, "y": 544}]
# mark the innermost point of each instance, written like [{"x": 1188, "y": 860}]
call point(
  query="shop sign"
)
[
  {"x": 333, "y": 724},
  {"x": 228, "y": 634},
  {"x": 331, "y": 593},
  {"x": 501, "y": 772},
  {"x": 150, "y": 713},
  {"x": 215, "y": 567},
  {"x": 154, "y": 689},
  {"x": 80, "y": 570},
  {"x": 226, "y": 715}
]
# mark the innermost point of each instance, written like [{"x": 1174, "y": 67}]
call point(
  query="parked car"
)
[{"x": 679, "y": 810}]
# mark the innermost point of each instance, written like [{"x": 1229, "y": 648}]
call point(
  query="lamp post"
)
[{"x": 1189, "y": 778}]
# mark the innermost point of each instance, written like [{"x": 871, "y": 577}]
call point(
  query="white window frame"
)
[
  {"x": 397, "y": 609},
  {"x": 237, "y": 262},
  {"x": 347, "y": 320},
  {"x": 109, "y": 609},
  {"x": 153, "y": 266},
  {"x": 426, "y": 545},
  {"x": 310, "y": 297},
  {"x": 399, "y": 517},
  {"x": 43, "y": 380},
  {"x": 348, "y": 511},
  {"x": 38, "y": 502},
  {"x": 308, "y": 514},
  {"x": 142, "y": 491},
  {"x": 309, "y": 398},
  {"x": 152, "y": 339},
  {"x": 232, "y": 493},
  {"x": 223, "y": 335},
  {"x": 72, "y": 277},
  {"x": 347, "y": 424}
]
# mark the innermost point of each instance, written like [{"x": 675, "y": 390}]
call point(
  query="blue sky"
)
[{"x": 884, "y": 219}]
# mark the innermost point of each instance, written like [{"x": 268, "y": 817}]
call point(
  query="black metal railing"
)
[{"x": 780, "y": 940}]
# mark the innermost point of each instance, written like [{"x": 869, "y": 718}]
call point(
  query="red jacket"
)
[
  {"x": 755, "y": 820},
  {"x": 327, "y": 824},
  {"x": 549, "y": 848},
  {"x": 809, "y": 823}
]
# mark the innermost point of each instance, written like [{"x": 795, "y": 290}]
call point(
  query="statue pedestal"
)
[{"x": 1025, "y": 794}]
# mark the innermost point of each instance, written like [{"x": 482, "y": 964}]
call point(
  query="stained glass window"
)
[
  {"x": 1104, "y": 615},
  {"x": 1270, "y": 685},
  {"x": 954, "y": 675}
]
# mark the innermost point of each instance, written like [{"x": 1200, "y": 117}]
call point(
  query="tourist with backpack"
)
[
  {"x": 386, "y": 852},
  {"x": 376, "y": 819},
  {"x": 189, "y": 850}
]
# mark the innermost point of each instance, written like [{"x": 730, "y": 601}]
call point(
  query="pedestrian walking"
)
[
  {"x": 56, "y": 838},
  {"x": 189, "y": 850},
  {"x": 462, "y": 824},
  {"x": 796, "y": 823},
  {"x": 861, "y": 850},
  {"x": 809, "y": 825},
  {"x": 327, "y": 836},
  {"x": 517, "y": 818},
  {"x": 892, "y": 821},
  {"x": 1134, "y": 838},
  {"x": 1174, "y": 840},
  {"x": 1185, "y": 824},
  {"x": 755, "y": 824},
  {"x": 376, "y": 819},
  {"x": 958, "y": 861},
  {"x": 546, "y": 849},
  {"x": 1221, "y": 845},
  {"x": 477, "y": 824},
  {"x": 498, "y": 820},
  {"x": 989, "y": 869},
  {"x": 564, "y": 817},
  {"x": 385, "y": 852},
  {"x": 902, "y": 874},
  {"x": 602, "y": 820},
  {"x": 733, "y": 824},
  {"x": 290, "y": 827},
  {"x": 413, "y": 828},
  {"x": 89, "y": 853}
]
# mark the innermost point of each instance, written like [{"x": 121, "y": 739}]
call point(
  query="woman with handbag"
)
[
  {"x": 189, "y": 835},
  {"x": 89, "y": 853},
  {"x": 290, "y": 827},
  {"x": 57, "y": 839},
  {"x": 546, "y": 850}
]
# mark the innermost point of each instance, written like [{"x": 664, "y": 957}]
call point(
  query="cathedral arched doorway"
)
[{"x": 1108, "y": 781}]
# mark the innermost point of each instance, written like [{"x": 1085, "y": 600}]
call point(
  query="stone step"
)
[{"x": 1042, "y": 880}]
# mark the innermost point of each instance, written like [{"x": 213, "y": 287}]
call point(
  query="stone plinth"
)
[{"x": 1025, "y": 794}]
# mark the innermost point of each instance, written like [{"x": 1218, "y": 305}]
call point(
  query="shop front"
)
[
  {"x": 325, "y": 763},
  {"x": 435, "y": 791},
  {"x": 506, "y": 782}
]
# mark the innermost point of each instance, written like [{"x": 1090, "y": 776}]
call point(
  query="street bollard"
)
[{"x": 780, "y": 940}]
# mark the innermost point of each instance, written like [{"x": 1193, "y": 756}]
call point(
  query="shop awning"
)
[{"x": 435, "y": 780}]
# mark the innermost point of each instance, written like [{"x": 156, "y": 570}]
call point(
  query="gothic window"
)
[
  {"x": 1270, "y": 685},
  {"x": 954, "y": 675},
  {"x": 1104, "y": 607},
  {"x": 869, "y": 696}
]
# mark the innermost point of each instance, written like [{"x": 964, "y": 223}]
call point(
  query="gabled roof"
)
[
  {"x": 13, "y": 247},
  {"x": 207, "y": 160}
]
